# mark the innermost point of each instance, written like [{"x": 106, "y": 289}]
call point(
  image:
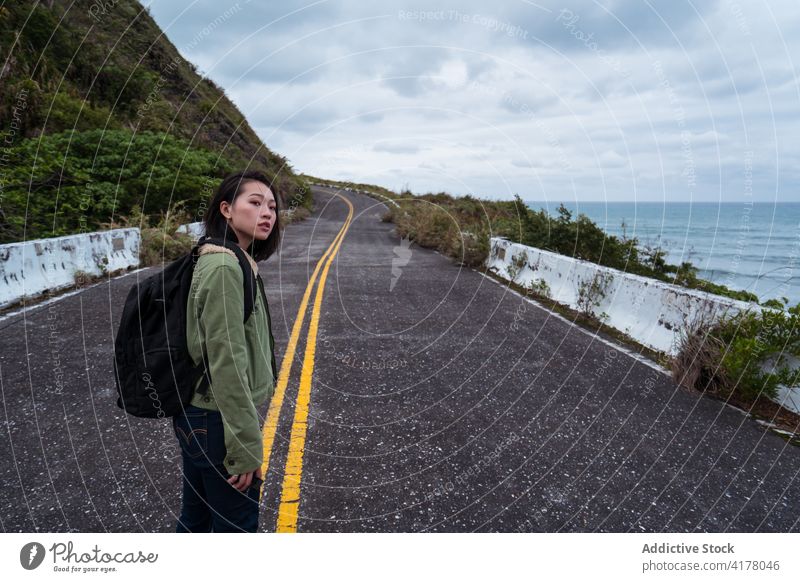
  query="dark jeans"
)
[{"x": 210, "y": 503}]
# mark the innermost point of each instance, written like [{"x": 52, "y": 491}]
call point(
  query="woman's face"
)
[{"x": 252, "y": 215}]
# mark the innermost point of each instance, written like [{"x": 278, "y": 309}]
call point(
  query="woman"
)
[{"x": 220, "y": 432}]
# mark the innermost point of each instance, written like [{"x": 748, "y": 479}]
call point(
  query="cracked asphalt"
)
[{"x": 441, "y": 402}]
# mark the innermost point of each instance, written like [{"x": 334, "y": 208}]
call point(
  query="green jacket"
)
[{"x": 239, "y": 355}]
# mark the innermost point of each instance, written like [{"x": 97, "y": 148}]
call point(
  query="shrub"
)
[
  {"x": 697, "y": 362},
  {"x": 471, "y": 249},
  {"x": 68, "y": 112},
  {"x": 122, "y": 89},
  {"x": 539, "y": 287},
  {"x": 518, "y": 262},
  {"x": 159, "y": 247},
  {"x": 747, "y": 354},
  {"x": 591, "y": 292},
  {"x": 73, "y": 181},
  {"x": 294, "y": 214},
  {"x": 160, "y": 244}
]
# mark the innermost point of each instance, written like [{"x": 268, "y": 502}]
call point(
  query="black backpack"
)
[{"x": 154, "y": 373}]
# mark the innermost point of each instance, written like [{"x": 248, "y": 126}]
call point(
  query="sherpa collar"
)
[{"x": 212, "y": 248}]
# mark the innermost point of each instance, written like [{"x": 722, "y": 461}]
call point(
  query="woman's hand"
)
[{"x": 243, "y": 481}]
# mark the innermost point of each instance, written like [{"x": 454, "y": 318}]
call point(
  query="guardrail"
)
[{"x": 33, "y": 267}]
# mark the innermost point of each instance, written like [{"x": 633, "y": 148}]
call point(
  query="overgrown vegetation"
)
[
  {"x": 99, "y": 113},
  {"x": 160, "y": 241},
  {"x": 516, "y": 264},
  {"x": 592, "y": 291},
  {"x": 746, "y": 355},
  {"x": 581, "y": 238},
  {"x": 83, "y": 179}
]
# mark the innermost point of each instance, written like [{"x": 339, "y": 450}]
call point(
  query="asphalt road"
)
[{"x": 440, "y": 401}]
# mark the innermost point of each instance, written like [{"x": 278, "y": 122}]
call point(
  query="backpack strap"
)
[{"x": 269, "y": 328}]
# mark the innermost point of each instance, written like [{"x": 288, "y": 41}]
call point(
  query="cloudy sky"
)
[{"x": 609, "y": 100}]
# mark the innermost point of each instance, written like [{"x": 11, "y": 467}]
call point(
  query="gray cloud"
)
[
  {"x": 551, "y": 100},
  {"x": 397, "y": 148}
]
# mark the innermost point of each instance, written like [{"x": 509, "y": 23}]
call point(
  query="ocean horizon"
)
[{"x": 745, "y": 246}]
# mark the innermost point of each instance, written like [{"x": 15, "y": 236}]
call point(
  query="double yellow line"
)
[{"x": 290, "y": 490}]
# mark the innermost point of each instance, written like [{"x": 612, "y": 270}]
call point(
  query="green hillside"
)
[{"x": 100, "y": 115}]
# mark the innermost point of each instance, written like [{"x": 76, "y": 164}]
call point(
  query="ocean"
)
[{"x": 754, "y": 247}]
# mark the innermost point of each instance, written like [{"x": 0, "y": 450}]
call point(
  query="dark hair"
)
[{"x": 217, "y": 226}]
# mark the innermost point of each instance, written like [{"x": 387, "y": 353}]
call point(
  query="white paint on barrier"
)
[
  {"x": 30, "y": 268},
  {"x": 650, "y": 311}
]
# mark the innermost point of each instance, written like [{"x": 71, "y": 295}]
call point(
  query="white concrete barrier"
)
[
  {"x": 196, "y": 229},
  {"x": 30, "y": 268},
  {"x": 650, "y": 311}
]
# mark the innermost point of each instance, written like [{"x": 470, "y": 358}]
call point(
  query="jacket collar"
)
[{"x": 212, "y": 248}]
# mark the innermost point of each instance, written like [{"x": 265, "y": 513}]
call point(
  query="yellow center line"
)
[
  {"x": 290, "y": 493},
  {"x": 274, "y": 411}
]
